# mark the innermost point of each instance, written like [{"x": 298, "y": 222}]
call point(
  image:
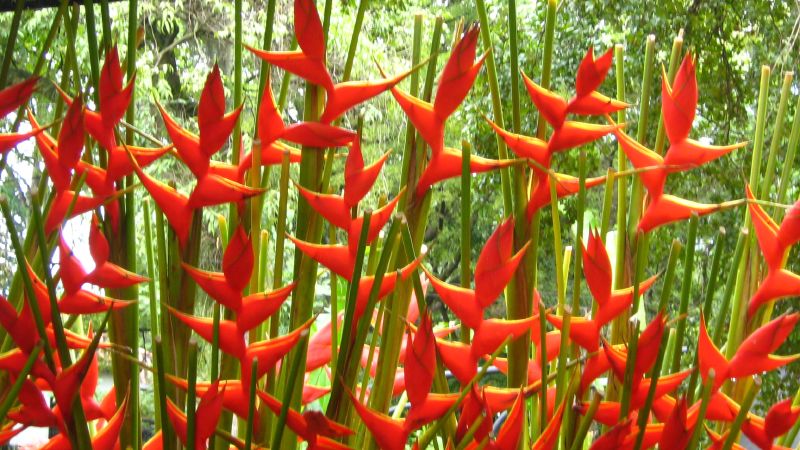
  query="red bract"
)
[
  {"x": 779, "y": 420},
  {"x": 753, "y": 355},
  {"x": 429, "y": 119},
  {"x": 309, "y": 64},
  {"x": 12, "y": 98},
  {"x": 679, "y": 103},
  {"x": 775, "y": 242}
]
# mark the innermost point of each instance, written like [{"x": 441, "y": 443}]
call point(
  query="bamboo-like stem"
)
[
  {"x": 777, "y": 136},
  {"x": 167, "y": 437},
  {"x": 622, "y": 162},
  {"x": 294, "y": 373},
  {"x": 94, "y": 54},
  {"x": 416, "y": 210},
  {"x": 497, "y": 107},
  {"x": 277, "y": 279},
  {"x": 191, "y": 398},
  {"x": 633, "y": 346},
  {"x": 237, "y": 80},
  {"x": 637, "y": 192},
  {"x": 736, "y": 320},
  {"x": 744, "y": 410},
  {"x": 166, "y": 430},
  {"x": 11, "y": 42},
  {"x": 153, "y": 307},
  {"x": 655, "y": 373},
  {"x": 701, "y": 415},
  {"x": 547, "y": 57},
  {"x": 686, "y": 290},
  {"x": 105, "y": 16},
  {"x": 565, "y": 312},
  {"x": 608, "y": 199},
  {"x": 586, "y": 422},
  {"x": 711, "y": 286},
  {"x": 251, "y": 404},
  {"x": 788, "y": 161},
  {"x": 466, "y": 227},
  {"x": 722, "y": 311},
  {"x": 336, "y": 409},
  {"x": 58, "y": 327},
  {"x": 416, "y": 52},
  {"x": 516, "y": 119},
  {"x": 640, "y": 257}
]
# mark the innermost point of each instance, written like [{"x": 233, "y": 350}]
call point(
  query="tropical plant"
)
[{"x": 375, "y": 366}]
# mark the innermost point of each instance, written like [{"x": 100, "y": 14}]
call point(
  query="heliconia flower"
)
[
  {"x": 358, "y": 178},
  {"x": 14, "y": 96},
  {"x": 666, "y": 209},
  {"x": 114, "y": 98},
  {"x": 420, "y": 361},
  {"x": 335, "y": 210},
  {"x": 587, "y": 101},
  {"x": 753, "y": 355},
  {"x": 493, "y": 271},
  {"x": 608, "y": 412},
  {"x": 779, "y": 282},
  {"x": 61, "y": 205},
  {"x": 718, "y": 441},
  {"x": 387, "y": 286},
  {"x": 337, "y": 258},
  {"x": 58, "y": 174},
  {"x": 649, "y": 343},
  {"x": 311, "y": 426},
  {"x": 610, "y": 302},
  {"x": 309, "y": 64},
  {"x": 33, "y": 409},
  {"x": 215, "y": 126},
  {"x": 509, "y": 434},
  {"x": 77, "y": 300},
  {"x": 10, "y": 140},
  {"x": 71, "y": 136},
  {"x": 235, "y": 396},
  {"x": 172, "y": 203},
  {"x": 107, "y": 274},
  {"x": 780, "y": 418},
  {"x": 269, "y": 352},
  {"x": 429, "y": 118},
  {"x": 566, "y": 185},
  {"x": 496, "y": 264},
  {"x": 207, "y": 416},
  {"x": 524, "y": 146},
  {"x": 213, "y": 189},
  {"x": 679, "y": 103}
]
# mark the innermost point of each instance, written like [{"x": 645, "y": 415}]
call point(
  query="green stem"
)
[
  {"x": 466, "y": 225},
  {"x": 701, "y": 415},
  {"x": 11, "y": 42},
  {"x": 153, "y": 306},
  {"x": 191, "y": 398},
  {"x": 497, "y": 108},
  {"x": 251, "y": 405},
  {"x": 166, "y": 430},
  {"x": 744, "y": 410},
  {"x": 686, "y": 289},
  {"x": 777, "y": 136}
]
